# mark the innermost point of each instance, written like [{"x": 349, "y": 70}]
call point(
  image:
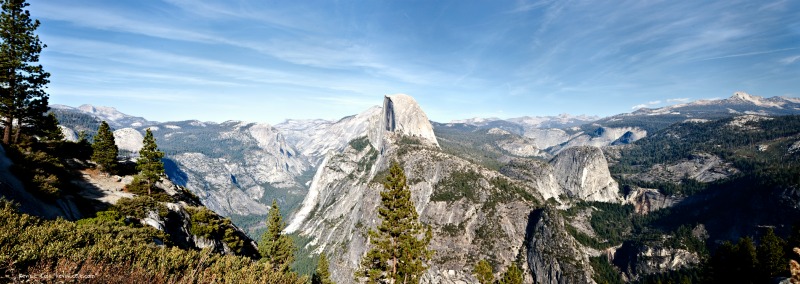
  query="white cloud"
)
[
  {"x": 648, "y": 104},
  {"x": 790, "y": 59},
  {"x": 678, "y": 100}
]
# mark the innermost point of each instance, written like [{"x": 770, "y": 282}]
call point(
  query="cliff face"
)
[
  {"x": 583, "y": 174},
  {"x": 554, "y": 257},
  {"x": 578, "y": 173},
  {"x": 645, "y": 200},
  {"x": 481, "y": 223},
  {"x": 403, "y": 116},
  {"x": 638, "y": 259}
]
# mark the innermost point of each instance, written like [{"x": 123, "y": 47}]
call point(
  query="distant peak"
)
[
  {"x": 403, "y": 115},
  {"x": 745, "y": 97},
  {"x": 91, "y": 108}
]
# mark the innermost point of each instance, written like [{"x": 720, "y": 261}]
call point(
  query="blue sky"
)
[{"x": 268, "y": 61}]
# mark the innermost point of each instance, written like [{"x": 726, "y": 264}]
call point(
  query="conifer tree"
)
[
  {"x": 746, "y": 261},
  {"x": 483, "y": 271},
  {"x": 771, "y": 258},
  {"x": 149, "y": 163},
  {"x": 276, "y": 247},
  {"x": 322, "y": 275},
  {"x": 399, "y": 250},
  {"x": 105, "y": 150},
  {"x": 48, "y": 128},
  {"x": 512, "y": 276},
  {"x": 22, "y": 80}
]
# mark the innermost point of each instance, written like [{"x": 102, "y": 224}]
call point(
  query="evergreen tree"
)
[
  {"x": 48, "y": 129},
  {"x": 276, "y": 247},
  {"x": 745, "y": 265},
  {"x": 22, "y": 81},
  {"x": 149, "y": 163},
  {"x": 105, "y": 150},
  {"x": 399, "y": 250},
  {"x": 483, "y": 271},
  {"x": 771, "y": 258},
  {"x": 512, "y": 276},
  {"x": 322, "y": 275},
  {"x": 721, "y": 263}
]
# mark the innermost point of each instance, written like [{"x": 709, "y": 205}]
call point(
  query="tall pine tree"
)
[
  {"x": 771, "y": 258},
  {"x": 23, "y": 100},
  {"x": 322, "y": 275},
  {"x": 104, "y": 149},
  {"x": 149, "y": 164},
  {"x": 276, "y": 247},
  {"x": 399, "y": 252}
]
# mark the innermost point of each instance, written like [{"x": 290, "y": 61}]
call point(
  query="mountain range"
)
[{"x": 522, "y": 190}]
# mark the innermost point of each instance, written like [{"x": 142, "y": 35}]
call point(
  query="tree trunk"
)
[
  {"x": 9, "y": 123},
  {"x": 394, "y": 260},
  {"x": 16, "y": 133}
]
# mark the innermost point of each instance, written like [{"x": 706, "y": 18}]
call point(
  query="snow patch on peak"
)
[
  {"x": 746, "y": 97},
  {"x": 475, "y": 120},
  {"x": 756, "y": 100},
  {"x": 109, "y": 113}
]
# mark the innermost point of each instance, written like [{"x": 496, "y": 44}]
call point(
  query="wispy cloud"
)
[
  {"x": 678, "y": 100},
  {"x": 310, "y": 50},
  {"x": 749, "y": 54},
  {"x": 533, "y": 57},
  {"x": 790, "y": 59},
  {"x": 646, "y": 105}
]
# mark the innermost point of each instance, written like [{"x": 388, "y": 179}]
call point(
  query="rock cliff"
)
[
  {"x": 583, "y": 174},
  {"x": 578, "y": 173},
  {"x": 403, "y": 116},
  {"x": 554, "y": 257},
  {"x": 481, "y": 223},
  {"x": 646, "y": 200}
]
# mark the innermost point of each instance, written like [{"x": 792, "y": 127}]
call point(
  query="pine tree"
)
[
  {"x": 275, "y": 247},
  {"x": 745, "y": 261},
  {"x": 149, "y": 163},
  {"x": 512, "y": 276},
  {"x": 399, "y": 250},
  {"x": 48, "y": 129},
  {"x": 23, "y": 100},
  {"x": 483, "y": 271},
  {"x": 771, "y": 258},
  {"x": 105, "y": 150},
  {"x": 321, "y": 274}
]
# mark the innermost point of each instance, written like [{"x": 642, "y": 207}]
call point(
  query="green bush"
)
[
  {"x": 459, "y": 185},
  {"x": 40, "y": 172},
  {"x": 360, "y": 143},
  {"x": 116, "y": 254},
  {"x": 205, "y": 223},
  {"x": 139, "y": 206},
  {"x": 139, "y": 186}
]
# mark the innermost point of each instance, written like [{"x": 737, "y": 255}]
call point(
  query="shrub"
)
[
  {"x": 459, "y": 185},
  {"x": 139, "y": 206},
  {"x": 106, "y": 252}
]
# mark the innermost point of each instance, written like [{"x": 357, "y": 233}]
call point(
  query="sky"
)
[{"x": 268, "y": 61}]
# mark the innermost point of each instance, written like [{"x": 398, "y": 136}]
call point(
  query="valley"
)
[{"x": 646, "y": 194}]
